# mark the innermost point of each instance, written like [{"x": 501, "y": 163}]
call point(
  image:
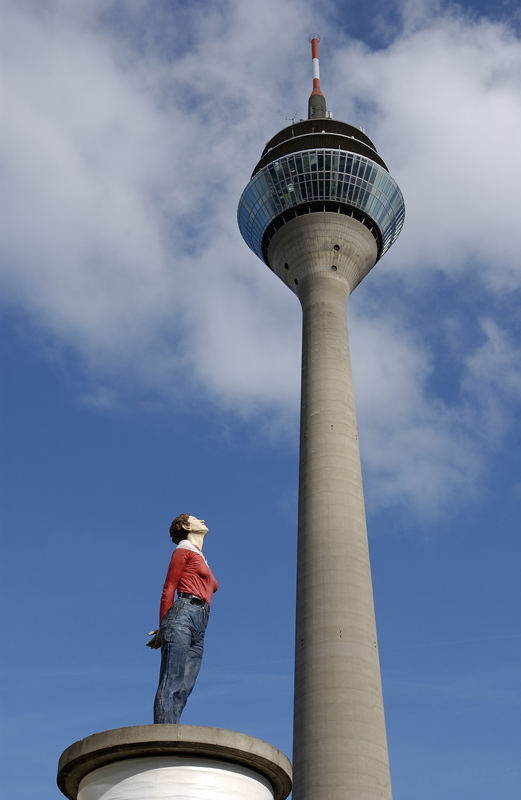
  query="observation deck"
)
[{"x": 317, "y": 165}]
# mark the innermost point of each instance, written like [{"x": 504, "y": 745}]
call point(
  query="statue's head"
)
[{"x": 185, "y": 524}]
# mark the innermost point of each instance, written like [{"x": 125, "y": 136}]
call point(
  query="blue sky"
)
[{"x": 150, "y": 367}]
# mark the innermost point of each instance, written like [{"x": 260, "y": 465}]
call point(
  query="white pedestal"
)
[{"x": 173, "y": 762}]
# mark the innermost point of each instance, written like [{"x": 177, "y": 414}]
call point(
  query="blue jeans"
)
[{"x": 182, "y": 637}]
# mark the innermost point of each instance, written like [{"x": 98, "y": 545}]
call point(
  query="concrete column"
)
[
  {"x": 173, "y": 762},
  {"x": 340, "y": 748},
  {"x": 339, "y": 739}
]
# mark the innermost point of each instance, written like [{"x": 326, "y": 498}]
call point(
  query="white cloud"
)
[
  {"x": 493, "y": 376},
  {"x": 416, "y": 449},
  {"x": 122, "y": 173},
  {"x": 131, "y": 132},
  {"x": 443, "y": 100}
]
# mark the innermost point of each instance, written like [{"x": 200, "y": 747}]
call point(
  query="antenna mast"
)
[{"x": 317, "y": 101}]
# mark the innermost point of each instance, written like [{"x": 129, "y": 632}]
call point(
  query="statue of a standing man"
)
[{"x": 182, "y": 624}]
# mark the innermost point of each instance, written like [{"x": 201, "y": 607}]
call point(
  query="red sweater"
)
[{"x": 187, "y": 572}]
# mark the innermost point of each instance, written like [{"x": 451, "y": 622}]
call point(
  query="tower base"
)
[{"x": 170, "y": 762}]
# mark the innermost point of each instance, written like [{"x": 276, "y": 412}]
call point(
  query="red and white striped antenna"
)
[
  {"x": 317, "y": 101},
  {"x": 314, "y": 39}
]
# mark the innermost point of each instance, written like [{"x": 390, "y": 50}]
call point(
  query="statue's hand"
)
[{"x": 155, "y": 642}]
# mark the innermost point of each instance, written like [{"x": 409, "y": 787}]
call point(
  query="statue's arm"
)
[{"x": 175, "y": 570}]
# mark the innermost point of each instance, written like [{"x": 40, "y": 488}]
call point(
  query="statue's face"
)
[{"x": 197, "y": 525}]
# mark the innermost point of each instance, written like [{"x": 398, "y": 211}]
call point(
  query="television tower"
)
[{"x": 320, "y": 209}]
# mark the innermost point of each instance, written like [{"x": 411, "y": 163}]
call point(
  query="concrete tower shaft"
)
[{"x": 339, "y": 745}]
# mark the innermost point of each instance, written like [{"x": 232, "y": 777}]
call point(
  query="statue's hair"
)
[{"x": 177, "y": 530}]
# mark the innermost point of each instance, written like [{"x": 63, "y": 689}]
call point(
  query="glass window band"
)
[{"x": 309, "y": 176}]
